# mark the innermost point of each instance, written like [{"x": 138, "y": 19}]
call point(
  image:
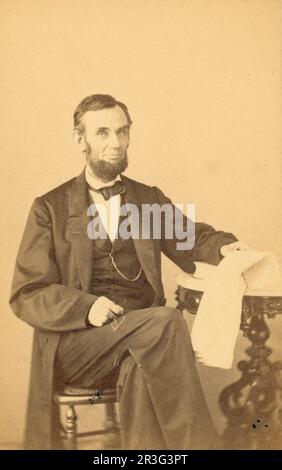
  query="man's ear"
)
[{"x": 79, "y": 140}]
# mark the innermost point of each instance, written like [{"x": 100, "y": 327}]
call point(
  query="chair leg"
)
[
  {"x": 71, "y": 428},
  {"x": 111, "y": 440},
  {"x": 111, "y": 417}
]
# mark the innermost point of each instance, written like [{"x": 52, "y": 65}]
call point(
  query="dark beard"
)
[{"x": 108, "y": 171}]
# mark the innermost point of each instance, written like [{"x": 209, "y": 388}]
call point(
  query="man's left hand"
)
[{"x": 234, "y": 247}]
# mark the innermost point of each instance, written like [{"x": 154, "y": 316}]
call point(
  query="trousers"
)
[{"x": 161, "y": 401}]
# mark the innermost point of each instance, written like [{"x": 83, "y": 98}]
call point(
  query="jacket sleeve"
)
[
  {"x": 207, "y": 242},
  {"x": 38, "y": 297}
]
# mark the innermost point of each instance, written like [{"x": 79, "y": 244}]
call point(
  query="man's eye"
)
[
  {"x": 123, "y": 131},
  {"x": 101, "y": 132}
]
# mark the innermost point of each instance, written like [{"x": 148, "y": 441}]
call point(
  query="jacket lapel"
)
[
  {"x": 83, "y": 246},
  {"x": 77, "y": 230}
]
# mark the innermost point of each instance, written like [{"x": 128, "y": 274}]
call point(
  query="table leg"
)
[{"x": 253, "y": 404}]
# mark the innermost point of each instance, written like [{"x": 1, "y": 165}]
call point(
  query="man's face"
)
[{"x": 106, "y": 139}]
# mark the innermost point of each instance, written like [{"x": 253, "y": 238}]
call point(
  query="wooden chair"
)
[{"x": 71, "y": 396}]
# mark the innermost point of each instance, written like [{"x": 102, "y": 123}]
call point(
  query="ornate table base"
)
[{"x": 252, "y": 404}]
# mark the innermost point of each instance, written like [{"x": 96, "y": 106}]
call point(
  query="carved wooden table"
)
[{"x": 252, "y": 404}]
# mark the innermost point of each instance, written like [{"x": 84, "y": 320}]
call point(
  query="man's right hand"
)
[{"x": 102, "y": 311}]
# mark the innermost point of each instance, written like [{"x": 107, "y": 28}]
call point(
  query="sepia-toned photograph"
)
[{"x": 141, "y": 209}]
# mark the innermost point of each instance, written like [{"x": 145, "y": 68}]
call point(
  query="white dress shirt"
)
[{"x": 108, "y": 210}]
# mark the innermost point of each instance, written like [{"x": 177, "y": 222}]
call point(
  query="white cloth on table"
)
[{"x": 216, "y": 326}]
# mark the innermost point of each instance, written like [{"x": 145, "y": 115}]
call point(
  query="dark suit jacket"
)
[{"x": 52, "y": 279}]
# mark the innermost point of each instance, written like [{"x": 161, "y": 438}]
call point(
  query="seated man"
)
[{"x": 97, "y": 303}]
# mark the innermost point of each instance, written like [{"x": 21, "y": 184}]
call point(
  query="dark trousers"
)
[{"x": 161, "y": 402}]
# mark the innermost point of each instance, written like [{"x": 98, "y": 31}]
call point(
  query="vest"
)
[{"x": 109, "y": 277}]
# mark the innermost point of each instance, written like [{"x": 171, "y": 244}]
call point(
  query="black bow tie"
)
[{"x": 110, "y": 191}]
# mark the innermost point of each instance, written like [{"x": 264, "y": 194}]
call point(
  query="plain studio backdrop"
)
[{"x": 202, "y": 81}]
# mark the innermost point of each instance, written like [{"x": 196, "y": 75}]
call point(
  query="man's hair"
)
[{"x": 95, "y": 103}]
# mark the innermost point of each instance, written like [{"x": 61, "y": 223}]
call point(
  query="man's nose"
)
[{"x": 113, "y": 140}]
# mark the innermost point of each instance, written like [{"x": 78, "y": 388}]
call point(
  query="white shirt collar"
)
[{"x": 95, "y": 182}]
